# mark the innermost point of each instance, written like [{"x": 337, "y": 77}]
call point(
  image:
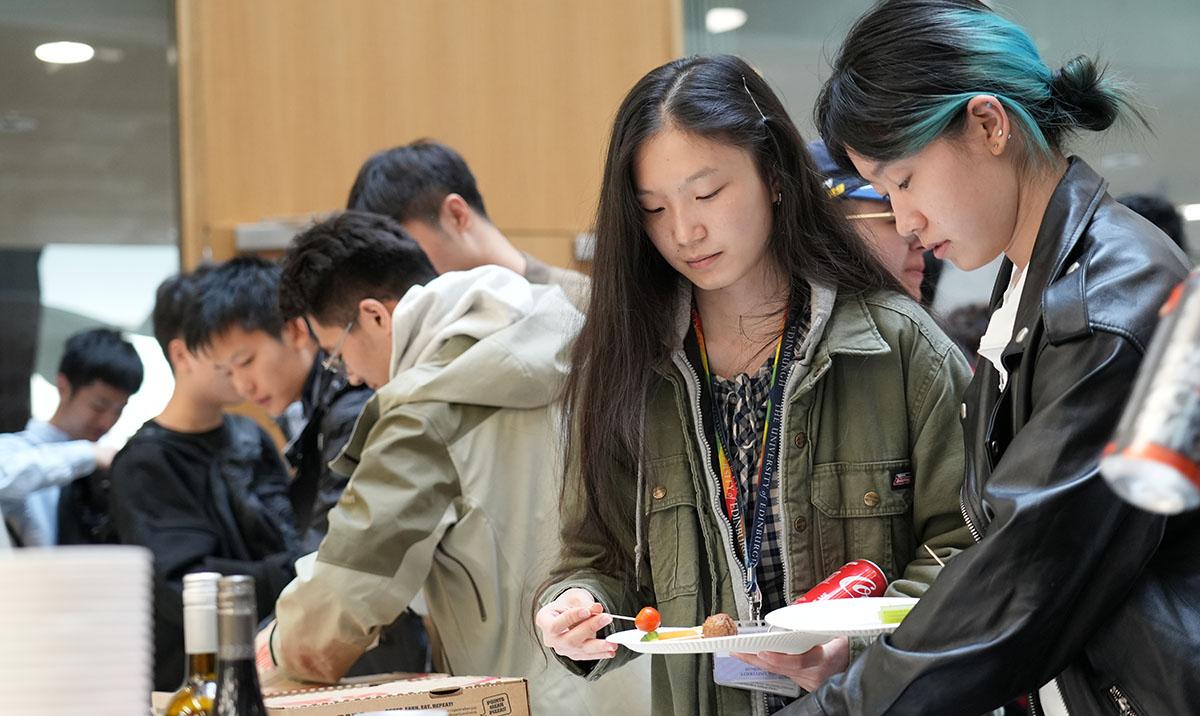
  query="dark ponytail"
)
[{"x": 1085, "y": 97}]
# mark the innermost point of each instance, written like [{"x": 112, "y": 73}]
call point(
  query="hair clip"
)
[{"x": 747, "y": 86}]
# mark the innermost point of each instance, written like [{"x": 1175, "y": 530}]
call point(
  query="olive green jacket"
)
[{"x": 878, "y": 398}]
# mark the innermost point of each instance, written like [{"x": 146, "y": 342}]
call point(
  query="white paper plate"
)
[
  {"x": 749, "y": 639},
  {"x": 838, "y": 617}
]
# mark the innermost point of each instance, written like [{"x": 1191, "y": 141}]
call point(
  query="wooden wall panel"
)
[{"x": 281, "y": 100}]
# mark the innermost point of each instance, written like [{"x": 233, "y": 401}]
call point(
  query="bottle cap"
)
[
  {"x": 235, "y": 595},
  {"x": 200, "y": 589}
]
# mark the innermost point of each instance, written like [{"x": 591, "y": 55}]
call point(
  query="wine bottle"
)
[
  {"x": 238, "y": 692},
  {"x": 195, "y": 696}
]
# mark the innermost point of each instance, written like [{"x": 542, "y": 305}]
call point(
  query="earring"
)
[{"x": 778, "y": 198}]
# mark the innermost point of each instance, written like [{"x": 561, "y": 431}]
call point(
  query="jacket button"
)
[
  {"x": 799, "y": 524},
  {"x": 660, "y": 492},
  {"x": 962, "y": 410},
  {"x": 1021, "y": 334},
  {"x": 800, "y": 441},
  {"x": 871, "y": 499},
  {"x": 995, "y": 446}
]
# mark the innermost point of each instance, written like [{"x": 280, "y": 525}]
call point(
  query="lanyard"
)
[{"x": 768, "y": 456}]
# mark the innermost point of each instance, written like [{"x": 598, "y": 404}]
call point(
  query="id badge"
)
[{"x": 735, "y": 673}]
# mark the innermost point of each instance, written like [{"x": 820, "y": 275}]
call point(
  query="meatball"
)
[{"x": 720, "y": 625}]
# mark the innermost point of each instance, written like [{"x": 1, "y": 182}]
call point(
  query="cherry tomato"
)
[{"x": 648, "y": 619}]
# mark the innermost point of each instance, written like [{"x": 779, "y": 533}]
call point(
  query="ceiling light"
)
[
  {"x": 1191, "y": 212},
  {"x": 64, "y": 53},
  {"x": 724, "y": 19}
]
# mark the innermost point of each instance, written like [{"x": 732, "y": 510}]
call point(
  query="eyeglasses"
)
[
  {"x": 881, "y": 215},
  {"x": 334, "y": 362},
  {"x": 873, "y": 215}
]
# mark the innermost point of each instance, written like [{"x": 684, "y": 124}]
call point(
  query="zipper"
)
[
  {"x": 693, "y": 390},
  {"x": 784, "y": 547},
  {"x": 1124, "y": 706},
  {"x": 962, "y": 505},
  {"x": 726, "y": 528},
  {"x": 471, "y": 579}
]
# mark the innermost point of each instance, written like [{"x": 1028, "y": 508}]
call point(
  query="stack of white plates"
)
[{"x": 75, "y": 624}]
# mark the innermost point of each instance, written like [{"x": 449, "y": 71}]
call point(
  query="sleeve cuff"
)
[{"x": 81, "y": 457}]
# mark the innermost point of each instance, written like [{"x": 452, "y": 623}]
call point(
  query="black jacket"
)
[
  {"x": 1067, "y": 580},
  {"x": 330, "y": 407},
  {"x": 213, "y": 501},
  {"x": 83, "y": 513}
]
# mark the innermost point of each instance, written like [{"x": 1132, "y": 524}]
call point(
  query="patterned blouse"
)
[{"x": 743, "y": 403}]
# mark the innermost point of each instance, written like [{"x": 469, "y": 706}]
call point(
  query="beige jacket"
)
[{"x": 453, "y": 492}]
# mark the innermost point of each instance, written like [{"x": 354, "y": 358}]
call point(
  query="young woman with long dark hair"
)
[
  {"x": 947, "y": 107},
  {"x": 753, "y": 400}
]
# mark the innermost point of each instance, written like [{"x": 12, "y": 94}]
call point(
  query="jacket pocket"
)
[
  {"x": 860, "y": 514},
  {"x": 672, "y": 528}
]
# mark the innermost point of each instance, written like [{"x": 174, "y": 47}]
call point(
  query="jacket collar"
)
[
  {"x": 322, "y": 387},
  {"x": 842, "y": 326},
  {"x": 1068, "y": 214},
  {"x": 41, "y": 431},
  {"x": 852, "y": 331}
]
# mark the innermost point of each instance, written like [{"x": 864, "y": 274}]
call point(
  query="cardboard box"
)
[{"x": 457, "y": 695}]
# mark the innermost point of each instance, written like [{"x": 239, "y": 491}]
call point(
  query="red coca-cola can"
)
[{"x": 860, "y": 578}]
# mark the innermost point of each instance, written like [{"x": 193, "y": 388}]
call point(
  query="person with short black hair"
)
[
  {"x": 101, "y": 354},
  {"x": 428, "y": 188},
  {"x": 335, "y": 265},
  {"x": 98, "y": 372},
  {"x": 453, "y": 487},
  {"x": 274, "y": 362},
  {"x": 203, "y": 490},
  {"x": 1156, "y": 209}
]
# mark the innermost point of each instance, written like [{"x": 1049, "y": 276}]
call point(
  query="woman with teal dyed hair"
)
[{"x": 1070, "y": 595}]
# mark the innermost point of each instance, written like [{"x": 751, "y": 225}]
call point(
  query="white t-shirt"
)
[{"x": 1000, "y": 328}]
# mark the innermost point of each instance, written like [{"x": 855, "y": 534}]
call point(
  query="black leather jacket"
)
[{"x": 1067, "y": 580}]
